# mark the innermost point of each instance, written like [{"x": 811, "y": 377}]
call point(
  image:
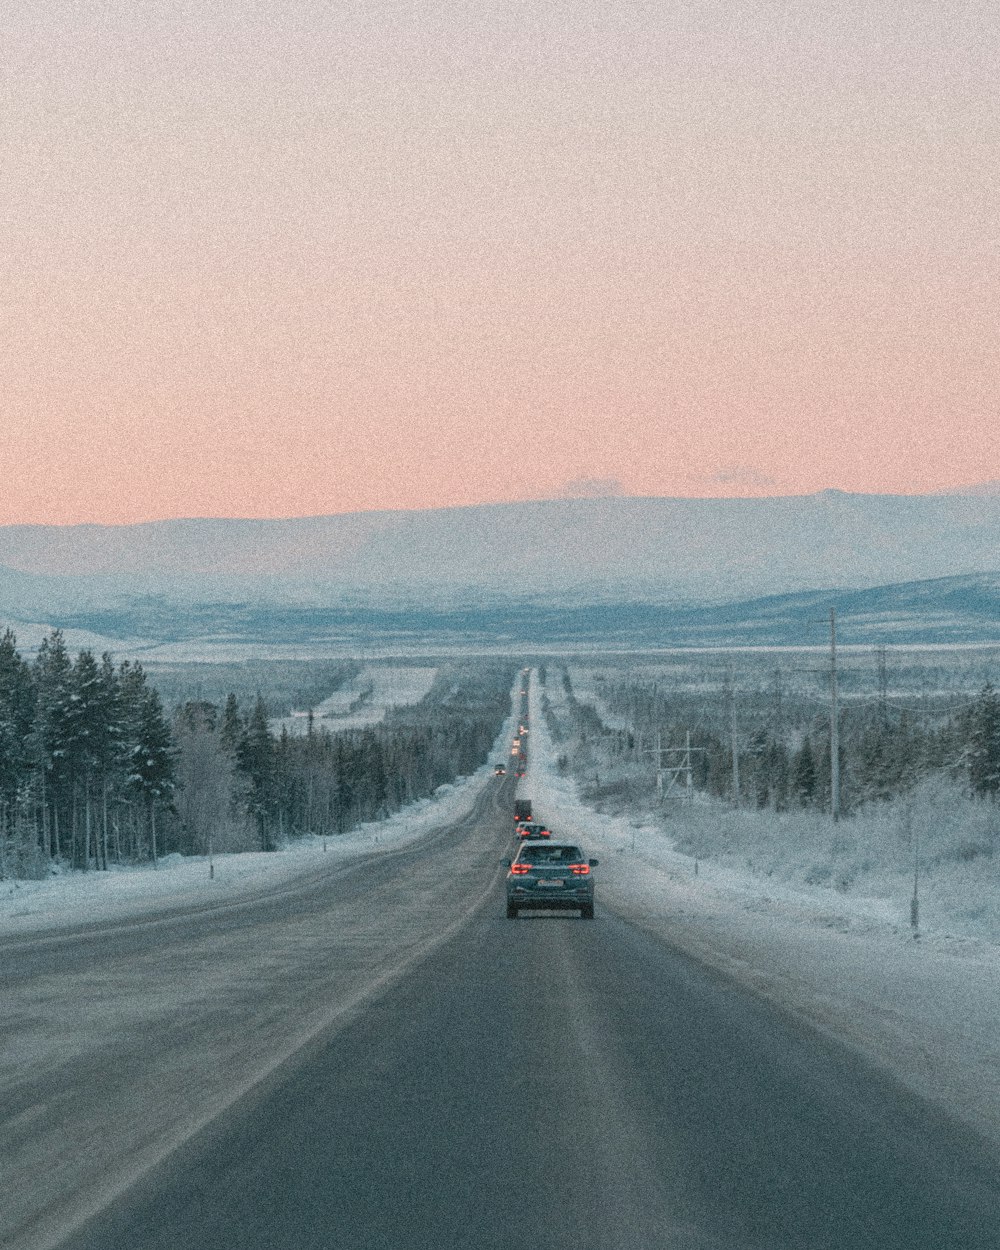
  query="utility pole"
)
[
  {"x": 659, "y": 767},
  {"x": 734, "y": 746},
  {"x": 834, "y": 722}
]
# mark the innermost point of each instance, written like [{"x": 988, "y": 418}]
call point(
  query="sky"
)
[{"x": 279, "y": 259}]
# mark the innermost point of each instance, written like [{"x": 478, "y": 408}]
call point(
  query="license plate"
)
[{"x": 551, "y": 881}]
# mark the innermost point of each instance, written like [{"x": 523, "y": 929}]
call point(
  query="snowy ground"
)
[
  {"x": 180, "y": 881},
  {"x": 927, "y": 1009},
  {"x": 364, "y": 700}
]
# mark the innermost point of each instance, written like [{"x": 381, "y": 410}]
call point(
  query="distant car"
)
[
  {"x": 532, "y": 829},
  {"x": 499, "y": 770},
  {"x": 550, "y": 875}
]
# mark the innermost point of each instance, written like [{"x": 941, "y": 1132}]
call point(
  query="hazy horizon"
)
[{"x": 971, "y": 490}]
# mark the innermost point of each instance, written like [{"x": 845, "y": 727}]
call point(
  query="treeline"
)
[
  {"x": 239, "y": 786},
  {"x": 93, "y": 771},
  {"x": 86, "y": 760},
  {"x": 782, "y": 744}
]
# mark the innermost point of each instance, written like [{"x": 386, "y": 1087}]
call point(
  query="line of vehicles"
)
[{"x": 546, "y": 873}]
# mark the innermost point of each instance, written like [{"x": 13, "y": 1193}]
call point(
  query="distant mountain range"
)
[{"x": 574, "y": 567}]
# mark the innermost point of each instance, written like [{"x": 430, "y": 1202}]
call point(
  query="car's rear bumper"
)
[
  {"x": 564, "y": 898},
  {"x": 551, "y": 904}
]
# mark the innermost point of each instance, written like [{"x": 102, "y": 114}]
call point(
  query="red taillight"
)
[
  {"x": 579, "y": 870},
  {"x": 519, "y": 870}
]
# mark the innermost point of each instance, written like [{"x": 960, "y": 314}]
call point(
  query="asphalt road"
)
[
  {"x": 548, "y": 1082},
  {"x": 118, "y": 1041},
  {"x": 369, "y": 1060}
]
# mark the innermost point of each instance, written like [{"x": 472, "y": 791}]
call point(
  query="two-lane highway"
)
[{"x": 551, "y": 1083}]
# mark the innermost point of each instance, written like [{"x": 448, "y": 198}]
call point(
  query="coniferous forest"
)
[{"x": 95, "y": 771}]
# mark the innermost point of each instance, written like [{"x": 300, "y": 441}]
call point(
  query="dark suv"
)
[{"x": 550, "y": 875}]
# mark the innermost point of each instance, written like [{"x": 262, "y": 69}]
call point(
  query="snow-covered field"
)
[
  {"x": 364, "y": 700},
  {"x": 105, "y": 897},
  {"x": 926, "y": 1009}
]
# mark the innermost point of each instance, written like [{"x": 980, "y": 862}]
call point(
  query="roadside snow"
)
[
  {"x": 927, "y": 1010},
  {"x": 76, "y": 898}
]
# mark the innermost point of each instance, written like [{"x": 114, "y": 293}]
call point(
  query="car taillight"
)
[
  {"x": 520, "y": 870},
  {"x": 579, "y": 870}
]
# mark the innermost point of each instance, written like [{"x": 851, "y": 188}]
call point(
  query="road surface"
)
[{"x": 545, "y": 1082}]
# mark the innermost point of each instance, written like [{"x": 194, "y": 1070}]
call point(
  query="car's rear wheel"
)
[
  {"x": 511, "y": 911},
  {"x": 587, "y": 912}
]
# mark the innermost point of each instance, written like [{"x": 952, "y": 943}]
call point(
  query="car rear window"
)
[{"x": 551, "y": 854}]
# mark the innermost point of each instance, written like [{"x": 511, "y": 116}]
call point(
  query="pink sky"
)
[{"x": 297, "y": 258}]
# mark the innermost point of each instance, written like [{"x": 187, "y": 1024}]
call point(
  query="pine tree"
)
[
  {"x": 52, "y": 673},
  {"x": 107, "y": 747},
  {"x": 342, "y": 795},
  {"x": 17, "y": 715},
  {"x": 255, "y": 759},
  {"x": 84, "y": 731},
  {"x": 147, "y": 748}
]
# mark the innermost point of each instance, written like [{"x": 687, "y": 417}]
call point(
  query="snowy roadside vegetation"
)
[
  {"x": 919, "y": 764},
  {"x": 95, "y": 772}
]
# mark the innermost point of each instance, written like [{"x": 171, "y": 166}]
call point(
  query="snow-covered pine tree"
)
[
  {"x": 147, "y": 749},
  {"x": 52, "y": 672},
  {"x": 255, "y": 759}
]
